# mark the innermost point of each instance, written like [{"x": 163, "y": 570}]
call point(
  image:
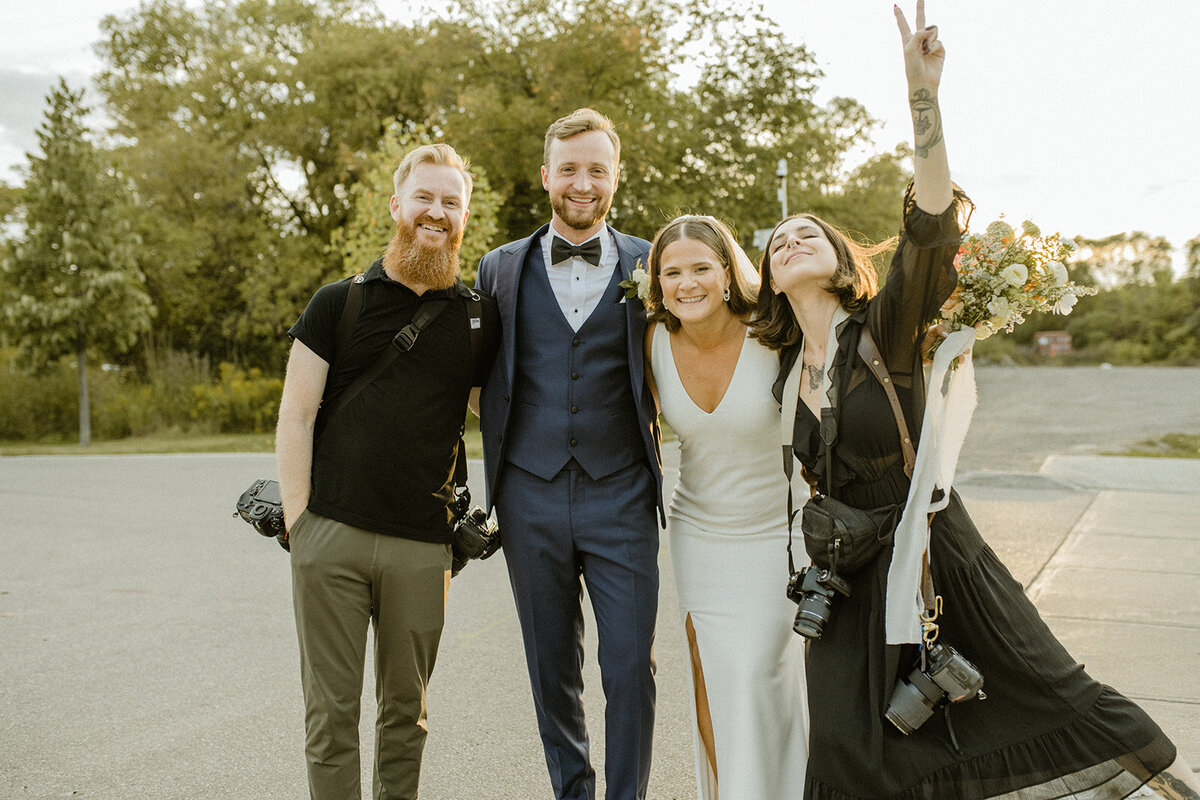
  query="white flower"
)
[
  {"x": 983, "y": 330},
  {"x": 1065, "y": 305},
  {"x": 1030, "y": 229},
  {"x": 999, "y": 307},
  {"x": 636, "y": 285},
  {"x": 999, "y": 229},
  {"x": 1059, "y": 270},
  {"x": 1015, "y": 274},
  {"x": 642, "y": 279},
  {"x": 1069, "y": 244}
]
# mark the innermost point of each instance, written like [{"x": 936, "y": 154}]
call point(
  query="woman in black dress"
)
[{"x": 1046, "y": 729}]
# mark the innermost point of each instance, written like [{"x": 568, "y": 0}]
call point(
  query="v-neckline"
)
[{"x": 732, "y": 377}]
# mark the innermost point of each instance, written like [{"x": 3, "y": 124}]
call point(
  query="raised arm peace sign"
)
[{"x": 924, "y": 55}]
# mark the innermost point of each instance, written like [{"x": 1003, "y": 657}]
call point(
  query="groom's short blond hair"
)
[{"x": 581, "y": 120}]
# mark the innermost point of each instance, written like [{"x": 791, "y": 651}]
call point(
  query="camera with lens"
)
[
  {"x": 813, "y": 590},
  {"x": 261, "y": 506},
  {"x": 944, "y": 677},
  {"x": 474, "y": 536}
]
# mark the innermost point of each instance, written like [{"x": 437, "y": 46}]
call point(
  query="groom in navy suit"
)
[{"x": 571, "y": 445}]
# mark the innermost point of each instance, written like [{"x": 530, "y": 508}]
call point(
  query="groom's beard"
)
[
  {"x": 579, "y": 220},
  {"x": 415, "y": 264}
]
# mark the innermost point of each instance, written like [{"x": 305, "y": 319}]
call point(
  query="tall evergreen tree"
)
[{"x": 71, "y": 283}]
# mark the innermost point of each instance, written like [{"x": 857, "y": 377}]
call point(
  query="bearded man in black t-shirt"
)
[{"x": 367, "y": 482}]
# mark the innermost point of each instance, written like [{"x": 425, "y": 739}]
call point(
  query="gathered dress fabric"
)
[
  {"x": 727, "y": 532},
  {"x": 1046, "y": 729}
]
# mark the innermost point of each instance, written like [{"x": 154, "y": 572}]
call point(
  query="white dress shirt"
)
[{"x": 578, "y": 285}]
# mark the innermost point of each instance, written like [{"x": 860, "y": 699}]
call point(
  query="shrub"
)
[{"x": 240, "y": 402}]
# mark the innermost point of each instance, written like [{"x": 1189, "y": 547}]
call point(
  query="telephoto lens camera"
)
[
  {"x": 475, "y": 536},
  {"x": 813, "y": 589},
  {"x": 945, "y": 677}
]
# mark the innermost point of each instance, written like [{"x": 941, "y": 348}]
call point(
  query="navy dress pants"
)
[{"x": 604, "y": 531}]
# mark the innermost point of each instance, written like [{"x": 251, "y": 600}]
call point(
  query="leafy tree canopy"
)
[{"x": 249, "y": 125}]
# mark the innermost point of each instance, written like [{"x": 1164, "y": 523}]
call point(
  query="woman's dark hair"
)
[
  {"x": 712, "y": 233},
  {"x": 854, "y": 281}
]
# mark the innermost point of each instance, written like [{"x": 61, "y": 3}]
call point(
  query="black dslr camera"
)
[
  {"x": 475, "y": 536},
  {"x": 261, "y": 506},
  {"x": 945, "y": 677},
  {"x": 813, "y": 589}
]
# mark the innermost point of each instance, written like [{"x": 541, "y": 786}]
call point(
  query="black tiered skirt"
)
[{"x": 1045, "y": 730}]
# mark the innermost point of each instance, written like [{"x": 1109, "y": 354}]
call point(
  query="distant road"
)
[{"x": 1028, "y": 413}]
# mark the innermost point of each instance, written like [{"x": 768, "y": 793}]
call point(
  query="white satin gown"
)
[{"x": 727, "y": 533}]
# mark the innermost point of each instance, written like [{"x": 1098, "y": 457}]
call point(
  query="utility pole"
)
[{"x": 781, "y": 172}]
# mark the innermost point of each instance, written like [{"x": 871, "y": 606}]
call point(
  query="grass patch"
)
[
  {"x": 1173, "y": 445},
  {"x": 156, "y": 443},
  {"x": 178, "y": 443}
]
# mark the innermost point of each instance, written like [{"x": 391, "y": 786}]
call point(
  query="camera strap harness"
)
[
  {"x": 869, "y": 353},
  {"x": 402, "y": 342}
]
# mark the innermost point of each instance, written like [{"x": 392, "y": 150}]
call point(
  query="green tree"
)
[
  {"x": 1191, "y": 256},
  {"x": 248, "y": 125},
  {"x": 72, "y": 284},
  {"x": 1123, "y": 259},
  {"x": 245, "y": 125}
]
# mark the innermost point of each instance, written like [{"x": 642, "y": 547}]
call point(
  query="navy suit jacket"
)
[{"x": 500, "y": 276}]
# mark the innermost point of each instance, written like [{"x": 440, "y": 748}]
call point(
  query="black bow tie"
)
[{"x": 561, "y": 250}]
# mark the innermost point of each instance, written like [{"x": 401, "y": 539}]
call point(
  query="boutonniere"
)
[{"x": 637, "y": 284}]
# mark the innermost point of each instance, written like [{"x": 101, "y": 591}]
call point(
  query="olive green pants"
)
[{"x": 343, "y": 577}]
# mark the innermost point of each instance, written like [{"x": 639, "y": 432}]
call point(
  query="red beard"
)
[{"x": 414, "y": 264}]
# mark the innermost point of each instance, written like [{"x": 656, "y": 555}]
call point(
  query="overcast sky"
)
[{"x": 1084, "y": 116}]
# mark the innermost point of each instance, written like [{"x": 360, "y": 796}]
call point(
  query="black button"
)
[
  {"x": 505, "y": 398},
  {"x": 574, "y": 442},
  {"x": 575, "y": 342},
  {"x": 574, "y": 376},
  {"x": 574, "y": 409}
]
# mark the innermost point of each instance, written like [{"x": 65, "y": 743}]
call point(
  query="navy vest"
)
[{"x": 571, "y": 391}]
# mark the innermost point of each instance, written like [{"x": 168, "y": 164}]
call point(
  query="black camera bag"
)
[{"x": 842, "y": 538}]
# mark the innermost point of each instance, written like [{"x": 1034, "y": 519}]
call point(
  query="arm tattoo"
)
[{"x": 927, "y": 121}]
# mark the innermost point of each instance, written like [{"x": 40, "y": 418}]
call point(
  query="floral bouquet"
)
[{"x": 1003, "y": 275}]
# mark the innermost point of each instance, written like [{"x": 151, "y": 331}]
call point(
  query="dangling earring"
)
[{"x": 726, "y": 294}]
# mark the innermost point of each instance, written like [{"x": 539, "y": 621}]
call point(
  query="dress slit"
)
[{"x": 704, "y": 726}]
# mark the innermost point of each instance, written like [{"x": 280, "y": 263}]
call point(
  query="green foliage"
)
[
  {"x": 37, "y": 407},
  {"x": 241, "y": 401},
  {"x": 177, "y": 397},
  {"x": 71, "y": 283},
  {"x": 1123, "y": 259},
  {"x": 1192, "y": 257},
  {"x": 256, "y": 132},
  {"x": 370, "y": 226},
  {"x": 1156, "y": 323}
]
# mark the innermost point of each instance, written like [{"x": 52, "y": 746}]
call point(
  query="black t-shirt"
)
[{"x": 385, "y": 461}]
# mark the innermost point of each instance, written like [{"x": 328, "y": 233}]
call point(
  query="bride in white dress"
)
[{"x": 727, "y": 523}]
